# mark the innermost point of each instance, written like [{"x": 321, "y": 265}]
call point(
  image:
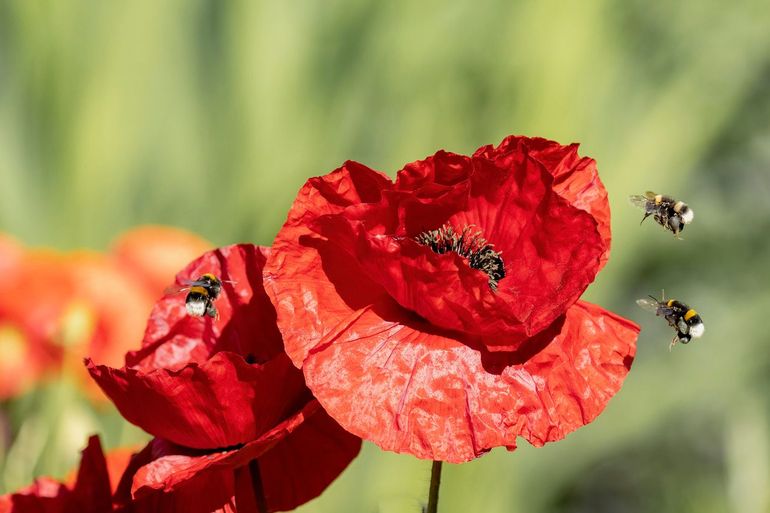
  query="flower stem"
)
[
  {"x": 256, "y": 482},
  {"x": 435, "y": 482}
]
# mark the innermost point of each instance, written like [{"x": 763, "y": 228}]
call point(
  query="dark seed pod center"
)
[{"x": 469, "y": 244}]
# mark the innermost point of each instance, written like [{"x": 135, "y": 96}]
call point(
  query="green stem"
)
[{"x": 435, "y": 482}]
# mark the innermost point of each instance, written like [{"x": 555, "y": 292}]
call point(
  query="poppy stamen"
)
[{"x": 469, "y": 244}]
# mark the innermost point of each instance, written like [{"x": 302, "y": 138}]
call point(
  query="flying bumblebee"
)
[
  {"x": 668, "y": 212},
  {"x": 201, "y": 294},
  {"x": 686, "y": 321}
]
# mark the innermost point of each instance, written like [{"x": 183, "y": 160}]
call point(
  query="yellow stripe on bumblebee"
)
[
  {"x": 684, "y": 320},
  {"x": 670, "y": 213}
]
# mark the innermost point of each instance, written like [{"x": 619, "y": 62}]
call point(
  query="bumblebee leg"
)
[
  {"x": 672, "y": 344},
  {"x": 648, "y": 214},
  {"x": 675, "y": 225},
  {"x": 212, "y": 311}
]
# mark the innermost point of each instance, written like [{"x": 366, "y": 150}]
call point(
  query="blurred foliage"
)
[{"x": 210, "y": 115}]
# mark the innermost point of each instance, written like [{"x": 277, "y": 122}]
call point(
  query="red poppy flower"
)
[
  {"x": 90, "y": 492},
  {"x": 224, "y": 388},
  {"x": 438, "y": 315}
]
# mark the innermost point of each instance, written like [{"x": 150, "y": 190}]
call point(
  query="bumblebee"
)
[
  {"x": 668, "y": 212},
  {"x": 686, "y": 321},
  {"x": 201, "y": 295}
]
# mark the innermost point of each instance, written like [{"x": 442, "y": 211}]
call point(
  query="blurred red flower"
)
[
  {"x": 224, "y": 400},
  {"x": 152, "y": 255},
  {"x": 438, "y": 315},
  {"x": 89, "y": 492},
  {"x": 60, "y": 306},
  {"x": 24, "y": 327}
]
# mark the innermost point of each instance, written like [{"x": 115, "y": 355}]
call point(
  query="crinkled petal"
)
[
  {"x": 551, "y": 249},
  {"x": 297, "y": 460},
  {"x": 302, "y": 465},
  {"x": 393, "y": 379},
  {"x": 221, "y": 402},
  {"x": 311, "y": 282},
  {"x": 575, "y": 178},
  {"x": 316, "y": 289},
  {"x": 212, "y": 493},
  {"x": 528, "y": 224},
  {"x": 203, "y": 383},
  {"x": 172, "y": 467}
]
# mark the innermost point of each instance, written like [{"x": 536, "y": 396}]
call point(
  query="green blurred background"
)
[{"x": 210, "y": 116}]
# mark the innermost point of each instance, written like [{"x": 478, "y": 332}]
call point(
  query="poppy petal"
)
[
  {"x": 575, "y": 178},
  {"x": 175, "y": 389},
  {"x": 515, "y": 207},
  {"x": 302, "y": 277},
  {"x": 301, "y": 466},
  {"x": 245, "y": 323},
  {"x": 297, "y": 461},
  {"x": 528, "y": 223},
  {"x": 311, "y": 282},
  {"x": 91, "y": 492},
  {"x": 218, "y": 403},
  {"x": 394, "y": 380},
  {"x": 173, "y": 466}
]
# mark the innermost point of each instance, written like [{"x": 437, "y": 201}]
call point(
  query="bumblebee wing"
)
[
  {"x": 650, "y": 195},
  {"x": 638, "y": 201},
  {"x": 648, "y": 304},
  {"x": 186, "y": 285},
  {"x": 195, "y": 283},
  {"x": 175, "y": 289}
]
